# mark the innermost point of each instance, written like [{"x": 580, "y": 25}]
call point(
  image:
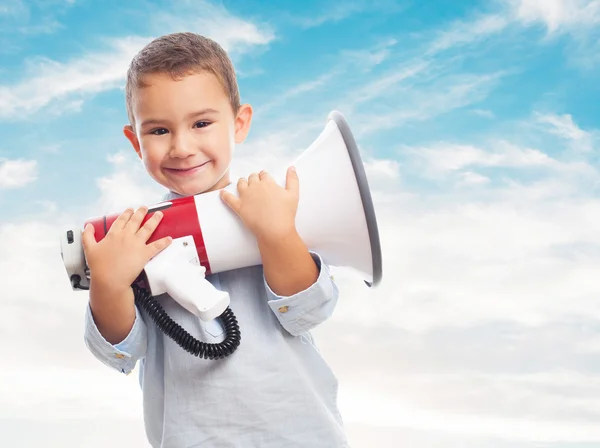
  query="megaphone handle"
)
[{"x": 185, "y": 340}]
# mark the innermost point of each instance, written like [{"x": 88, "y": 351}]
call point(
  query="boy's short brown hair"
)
[{"x": 180, "y": 54}]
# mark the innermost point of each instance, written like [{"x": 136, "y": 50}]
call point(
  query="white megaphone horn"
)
[{"x": 335, "y": 218}]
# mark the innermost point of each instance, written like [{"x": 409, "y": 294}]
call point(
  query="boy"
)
[{"x": 275, "y": 390}]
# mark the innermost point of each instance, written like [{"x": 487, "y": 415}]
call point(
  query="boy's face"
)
[{"x": 185, "y": 131}]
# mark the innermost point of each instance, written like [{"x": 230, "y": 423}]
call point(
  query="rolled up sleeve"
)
[
  {"x": 122, "y": 356},
  {"x": 307, "y": 309}
]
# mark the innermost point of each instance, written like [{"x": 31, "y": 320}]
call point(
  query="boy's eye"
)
[
  {"x": 202, "y": 124},
  {"x": 159, "y": 131}
]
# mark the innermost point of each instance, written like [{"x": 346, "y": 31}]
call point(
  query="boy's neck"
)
[{"x": 173, "y": 195}]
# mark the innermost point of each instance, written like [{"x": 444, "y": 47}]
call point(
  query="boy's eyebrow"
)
[{"x": 208, "y": 110}]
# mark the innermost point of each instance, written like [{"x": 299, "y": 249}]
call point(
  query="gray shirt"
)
[{"x": 275, "y": 390}]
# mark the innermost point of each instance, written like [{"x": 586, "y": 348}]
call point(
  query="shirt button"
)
[
  {"x": 283, "y": 309},
  {"x": 119, "y": 355}
]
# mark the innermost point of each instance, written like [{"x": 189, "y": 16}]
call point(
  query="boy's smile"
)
[
  {"x": 185, "y": 131},
  {"x": 188, "y": 171}
]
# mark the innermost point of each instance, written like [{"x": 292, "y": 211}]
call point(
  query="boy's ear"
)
[
  {"x": 242, "y": 122},
  {"x": 130, "y": 134}
]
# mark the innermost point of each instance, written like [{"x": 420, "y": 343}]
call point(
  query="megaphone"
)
[{"x": 335, "y": 218}]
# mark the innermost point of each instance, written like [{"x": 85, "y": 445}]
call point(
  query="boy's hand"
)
[
  {"x": 117, "y": 260},
  {"x": 266, "y": 209}
]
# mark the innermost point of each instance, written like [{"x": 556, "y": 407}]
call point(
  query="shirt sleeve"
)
[
  {"x": 122, "y": 356},
  {"x": 307, "y": 309}
]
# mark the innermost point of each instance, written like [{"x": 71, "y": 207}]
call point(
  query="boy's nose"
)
[{"x": 181, "y": 147}]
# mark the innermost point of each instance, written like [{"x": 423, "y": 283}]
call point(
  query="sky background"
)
[{"x": 479, "y": 124}]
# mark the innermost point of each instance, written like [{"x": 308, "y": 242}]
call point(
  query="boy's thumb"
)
[
  {"x": 87, "y": 236},
  {"x": 232, "y": 202},
  {"x": 292, "y": 182}
]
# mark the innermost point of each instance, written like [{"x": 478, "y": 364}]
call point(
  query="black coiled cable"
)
[
  {"x": 144, "y": 300},
  {"x": 185, "y": 340}
]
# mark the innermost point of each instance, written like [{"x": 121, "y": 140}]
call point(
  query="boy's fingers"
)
[
  {"x": 149, "y": 226},
  {"x": 232, "y": 201},
  {"x": 87, "y": 236},
  {"x": 292, "y": 183},
  {"x": 122, "y": 220},
  {"x": 265, "y": 176},
  {"x": 136, "y": 219},
  {"x": 253, "y": 178},
  {"x": 242, "y": 184},
  {"x": 157, "y": 246}
]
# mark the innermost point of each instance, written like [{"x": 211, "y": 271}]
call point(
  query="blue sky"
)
[
  {"x": 479, "y": 126},
  {"x": 483, "y": 82}
]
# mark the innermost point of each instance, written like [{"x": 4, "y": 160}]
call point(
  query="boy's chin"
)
[{"x": 195, "y": 184}]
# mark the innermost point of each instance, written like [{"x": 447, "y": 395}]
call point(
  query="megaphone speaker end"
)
[{"x": 365, "y": 194}]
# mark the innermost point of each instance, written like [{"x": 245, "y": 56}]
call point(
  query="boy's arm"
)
[
  {"x": 115, "y": 332},
  {"x": 301, "y": 291},
  {"x": 299, "y": 286}
]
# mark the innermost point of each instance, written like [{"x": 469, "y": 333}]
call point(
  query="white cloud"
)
[
  {"x": 386, "y": 168},
  {"x": 500, "y": 383},
  {"x": 564, "y": 127},
  {"x": 484, "y": 113},
  {"x": 337, "y": 12},
  {"x": 454, "y": 330},
  {"x": 444, "y": 157},
  {"x": 17, "y": 173},
  {"x": 349, "y": 64},
  {"x": 128, "y": 185},
  {"x": 420, "y": 102},
  {"x": 414, "y": 89},
  {"x": 53, "y": 148},
  {"x": 462, "y": 262},
  {"x": 13, "y": 8},
  {"x": 388, "y": 83},
  {"x": 389, "y": 410},
  {"x": 31, "y": 18},
  {"x": 506, "y": 19},
  {"x": 471, "y": 178},
  {"x": 558, "y": 15},
  {"x": 88, "y": 74},
  {"x": 298, "y": 90},
  {"x": 467, "y": 283},
  {"x": 467, "y": 32},
  {"x": 365, "y": 60},
  {"x": 578, "y": 20},
  {"x": 61, "y": 393},
  {"x": 441, "y": 158},
  {"x": 235, "y": 34},
  {"x": 54, "y": 432},
  {"x": 45, "y": 27}
]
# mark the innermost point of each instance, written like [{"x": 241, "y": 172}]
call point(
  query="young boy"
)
[{"x": 275, "y": 390}]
